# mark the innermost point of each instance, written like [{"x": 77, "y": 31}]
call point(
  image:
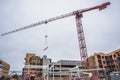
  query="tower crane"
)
[{"x": 80, "y": 32}]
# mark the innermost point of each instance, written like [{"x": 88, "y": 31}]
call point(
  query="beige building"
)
[
  {"x": 4, "y": 69},
  {"x": 32, "y": 59},
  {"x": 109, "y": 61}
]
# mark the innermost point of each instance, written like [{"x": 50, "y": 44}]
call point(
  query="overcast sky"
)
[{"x": 101, "y": 28}]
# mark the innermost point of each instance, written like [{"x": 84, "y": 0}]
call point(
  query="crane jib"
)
[{"x": 100, "y": 7}]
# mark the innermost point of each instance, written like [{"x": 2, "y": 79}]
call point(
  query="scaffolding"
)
[{"x": 75, "y": 73}]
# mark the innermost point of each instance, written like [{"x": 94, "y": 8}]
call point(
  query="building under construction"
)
[
  {"x": 34, "y": 67},
  {"x": 109, "y": 61},
  {"x": 42, "y": 68}
]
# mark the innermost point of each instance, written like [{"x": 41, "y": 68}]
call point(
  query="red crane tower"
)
[{"x": 80, "y": 32}]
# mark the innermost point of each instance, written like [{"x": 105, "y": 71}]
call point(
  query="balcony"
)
[
  {"x": 118, "y": 59},
  {"x": 99, "y": 57},
  {"x": 100, "y": 63},
  {"x": 100, "y": 66},
  {"x": 108, "y": 63},
  {"x": 108, "y": 58}
]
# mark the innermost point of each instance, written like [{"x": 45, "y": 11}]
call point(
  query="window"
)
[
  {"x": 114, "y": 55},
  {"x": 105, "y": 67},
  {"x": 117, "y": 66},
  {"x": 102, "y": 57},
  {"x": 103, "y": 62},
  {"x": 99, "y": 57},
  {"x": 118, "y": 54}
]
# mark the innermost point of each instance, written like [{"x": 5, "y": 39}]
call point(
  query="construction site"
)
[{"x": 99, "y": 66}]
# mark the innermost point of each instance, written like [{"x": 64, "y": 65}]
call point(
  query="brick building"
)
[
  {"x": 33, "y": 61},
  {"x": 109, "y": 61}
]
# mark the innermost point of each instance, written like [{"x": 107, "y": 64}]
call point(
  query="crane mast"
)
[
  {"x": 81, "y": 40},
  {"x": 80, "y": 32}
]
